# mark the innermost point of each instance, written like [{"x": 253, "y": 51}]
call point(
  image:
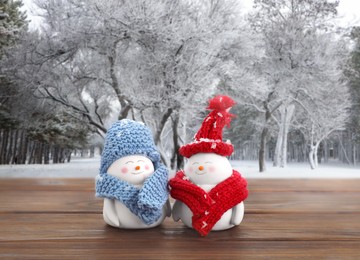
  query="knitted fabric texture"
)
[
  {"x": 146, "y": 203},
  {"x": 127, "y": 137},
  {"x": 207, "y": 208},
  {"x": 209, "y": 137},
  {"x": 124, "y": 138}
]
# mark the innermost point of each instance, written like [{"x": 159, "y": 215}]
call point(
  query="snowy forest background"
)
[{"x": 294, "y": 74}]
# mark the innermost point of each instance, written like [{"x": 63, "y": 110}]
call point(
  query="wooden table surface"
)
[{"x": 284, "y": 219}]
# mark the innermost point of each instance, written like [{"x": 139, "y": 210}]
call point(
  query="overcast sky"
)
[{"x": 348, "y": 12}]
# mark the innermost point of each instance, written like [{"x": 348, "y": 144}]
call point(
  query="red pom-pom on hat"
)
[
  {"x": 209, "y": 137},
  {"x": 221, "y": 103}
]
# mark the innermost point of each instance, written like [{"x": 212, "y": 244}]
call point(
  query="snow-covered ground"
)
[{"x": 88, "y": 168}]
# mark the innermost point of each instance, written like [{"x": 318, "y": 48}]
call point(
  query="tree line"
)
[{"x": 293, "y": 73}]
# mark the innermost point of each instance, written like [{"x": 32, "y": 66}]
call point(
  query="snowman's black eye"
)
[
  {"x": 195, "y": 163},
  {"x": 129, "y": 162},
  {"x": 208, "y": 162}
]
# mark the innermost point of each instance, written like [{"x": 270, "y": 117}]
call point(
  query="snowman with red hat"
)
[{"x": 209, "y": 193}]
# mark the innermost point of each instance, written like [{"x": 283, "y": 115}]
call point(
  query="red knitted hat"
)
[{"x": 209, "y": 137}]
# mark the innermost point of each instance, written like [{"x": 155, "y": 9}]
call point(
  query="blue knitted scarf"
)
[{"x": 146, "y": 203}]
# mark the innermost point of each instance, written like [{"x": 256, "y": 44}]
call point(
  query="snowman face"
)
[
  {"x": 208, "y": 168},
  {"x": 133, "y": 169}
]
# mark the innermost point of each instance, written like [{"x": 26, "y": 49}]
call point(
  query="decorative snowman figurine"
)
[
  {"x": 132, "y": 180},
  {"x": 209, "y": 193}
]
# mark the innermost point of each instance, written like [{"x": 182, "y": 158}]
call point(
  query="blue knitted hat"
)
[{"x": 127, "y": 137}]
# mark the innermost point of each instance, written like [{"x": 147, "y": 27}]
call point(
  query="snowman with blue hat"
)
[{"x": 132, "y": 179}]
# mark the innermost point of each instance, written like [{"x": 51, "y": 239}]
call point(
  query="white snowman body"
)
[
  {"x": 206, "y": 170},
  {"x": 134, "y": 169}
]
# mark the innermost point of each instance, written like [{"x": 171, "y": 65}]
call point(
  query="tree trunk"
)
[
  {"x": 61, "y": 155},
  {"x": 345, "y": 157},
  {"x": 55, "y": 154},
  {"x": 312, "y": 148},
  {"x": 40, "y": 153},
  {"x": 10, "y": 148},
  {"x": 24, "y": 147},
  {"x": 1, "y": 142},
  {"x": 92, "y": 151},
  {"x": 4, "y": 147},
  {"x": 125, "y": 104},
  {"x": 101, "y": 148},
  {"x": 326, "y": 151},
  {"x": 68, "y": 155},
  {"x": 316, "y": 158},
  {"x": 278, "y": 146},
  {"x": 264, "y": 133},
  {"x": 46, "y": 154},
  {"x": 161, "y": 126},
  {"x": 16, "y": 148},
  {"x": 311, "y": 157},
  {"x": 32, "y": 152},
  {"x": 176, "y": 161},
  {"x": 280, "y": 138},
  {"x": 289, "y": 111}
]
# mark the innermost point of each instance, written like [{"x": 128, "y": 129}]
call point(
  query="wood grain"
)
[
  {"x": 284, "y": 219},
  {"x": 21, "y": 227}
]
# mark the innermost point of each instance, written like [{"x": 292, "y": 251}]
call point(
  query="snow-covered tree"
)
[
  {"x": 12, "y": 21},
  {"x": 150, "y": 60},
  {"x": 290, "y": 32},
  {"x": 325, "y": 116},
  {"x": 323, "y": 101},
  {"x": 351, "y": 138},
  {"x": 173, "y": 66}
]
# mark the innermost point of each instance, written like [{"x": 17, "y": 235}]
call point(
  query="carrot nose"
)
[
  {"x": 201, "y": 168},
  {"x": 137, "y": 167}
]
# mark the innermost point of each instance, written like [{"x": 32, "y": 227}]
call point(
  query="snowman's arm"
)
[
  {"x": 237, "y": 214},
  {"x": 109, "y": 213},
  {"x": 176, "y": 210},
  {"x": 168, "y": 208}
]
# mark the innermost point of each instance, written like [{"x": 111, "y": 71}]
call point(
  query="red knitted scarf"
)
[{"x": 207, "y": 208}]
